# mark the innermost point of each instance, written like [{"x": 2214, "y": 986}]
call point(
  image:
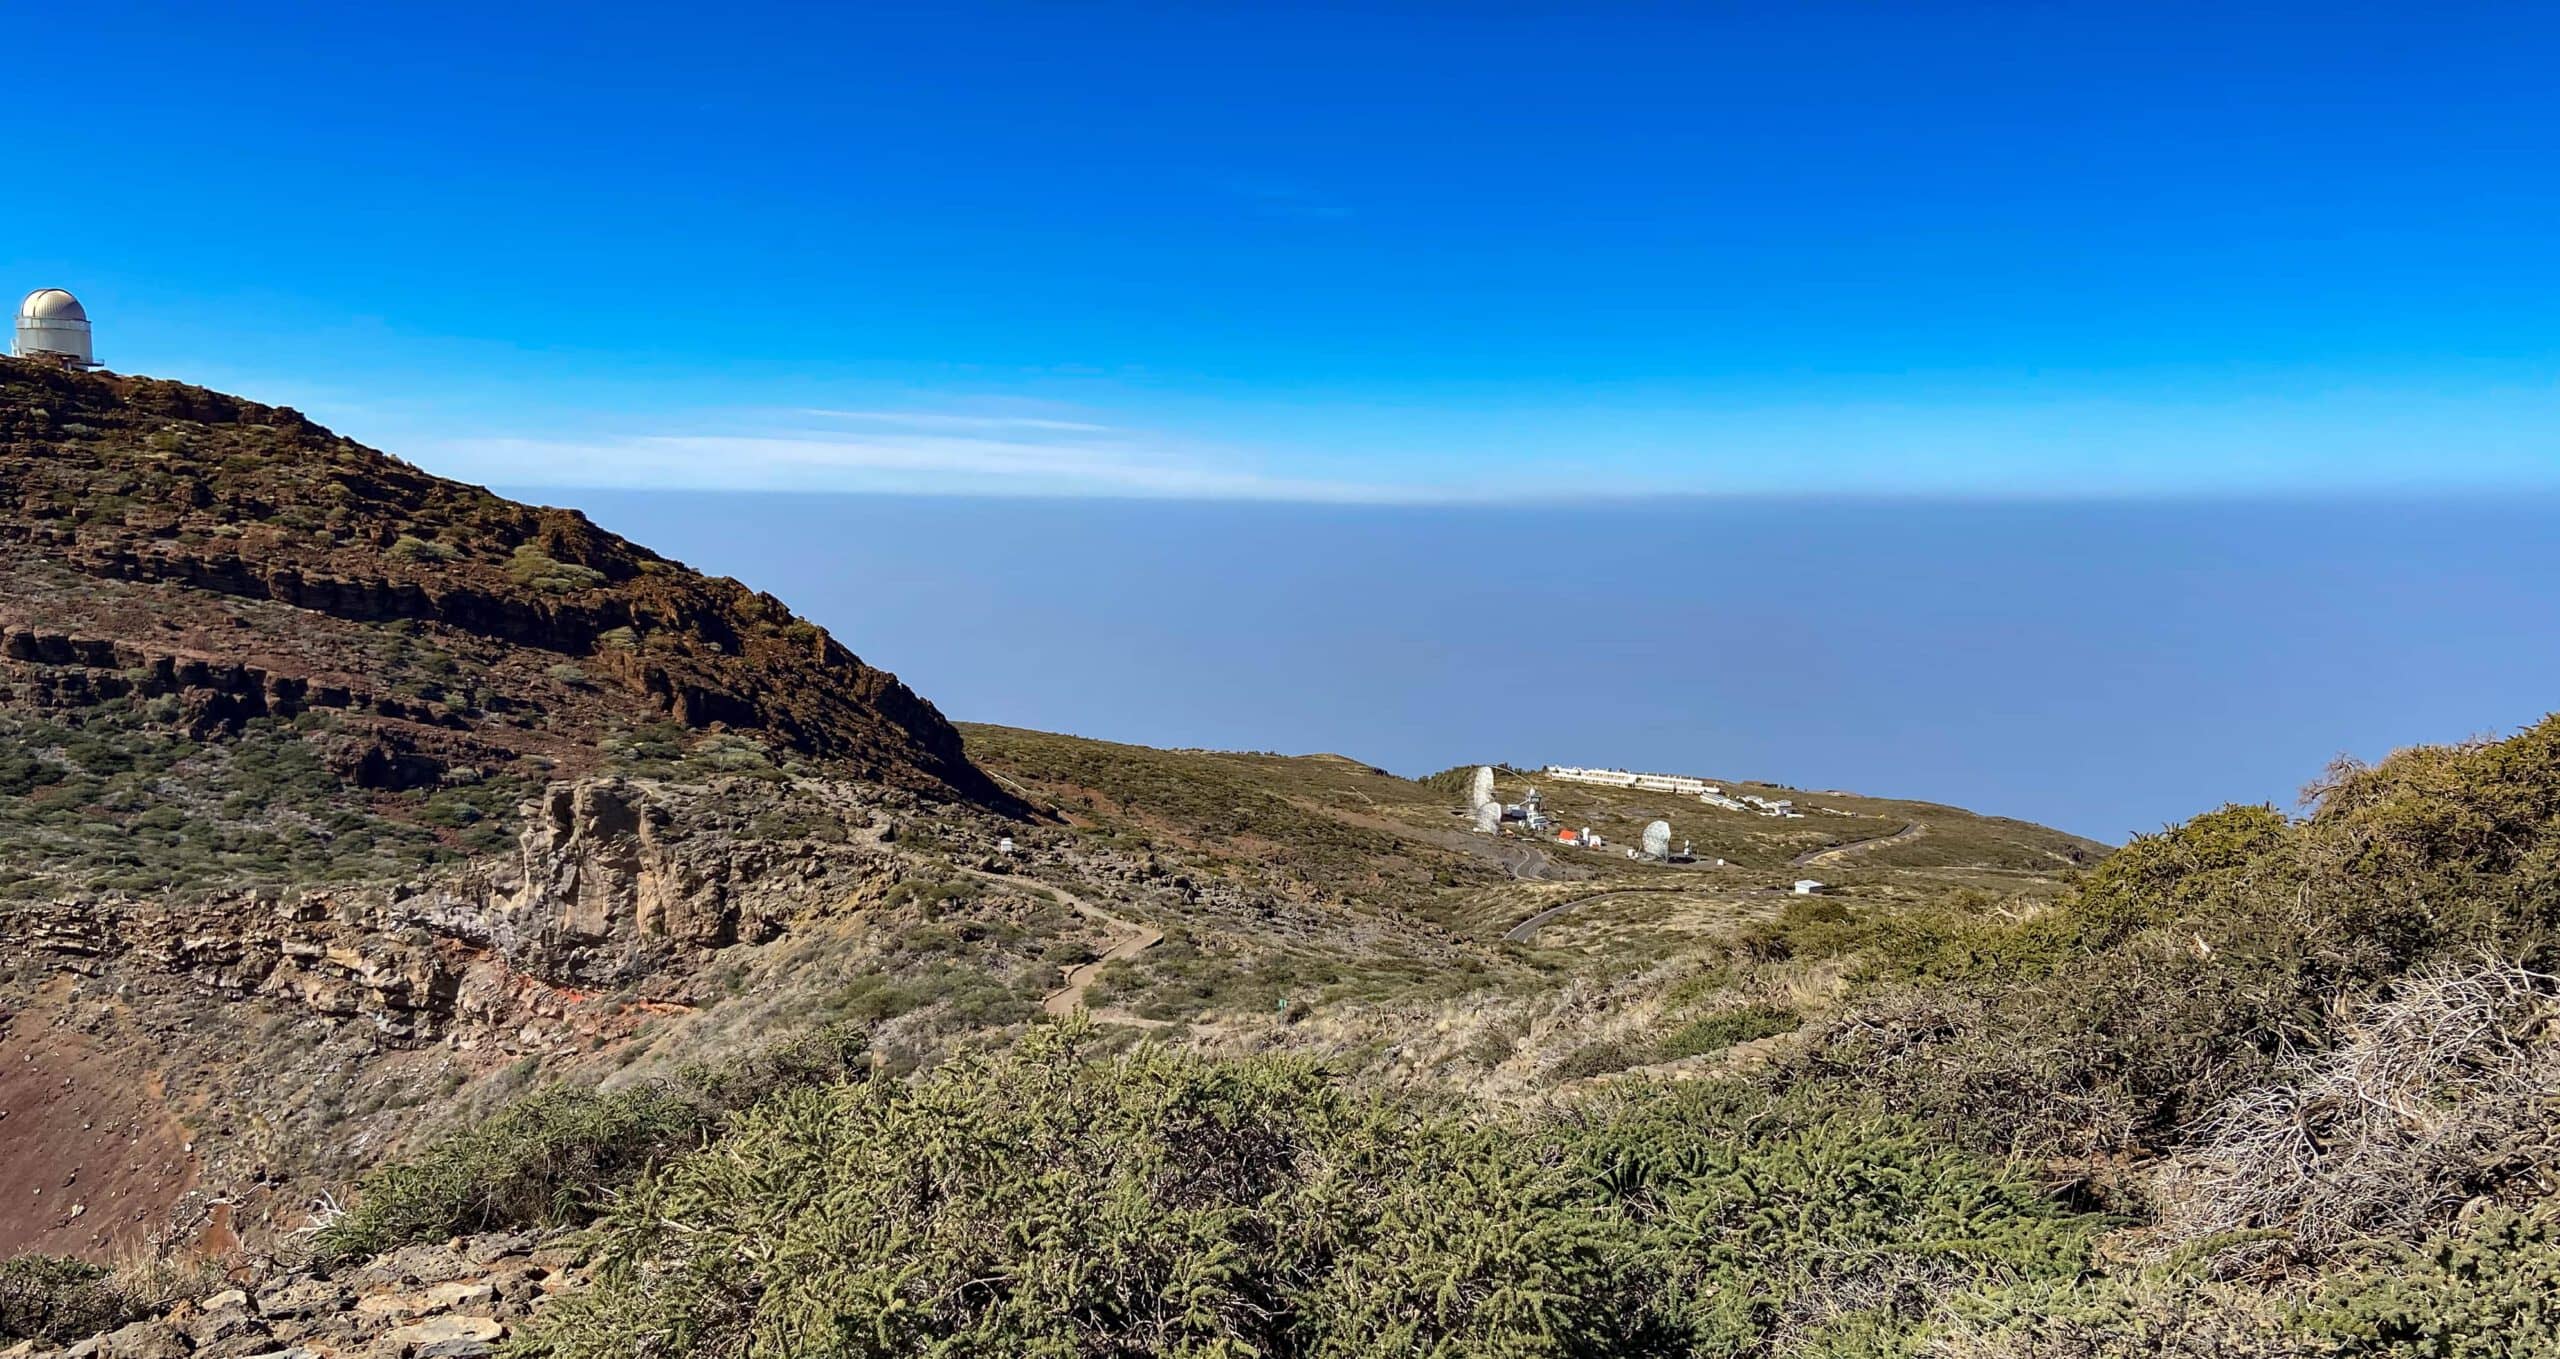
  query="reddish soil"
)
[{"x": 91, "y": 1164}]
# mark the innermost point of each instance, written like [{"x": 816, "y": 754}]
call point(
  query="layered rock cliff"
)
[{"x": 233, "y": 1041}]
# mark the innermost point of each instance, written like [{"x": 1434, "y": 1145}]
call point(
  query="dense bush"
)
[
  {"x": 2164, "y": 1315},
  {"x": 1807, "y": 928},
  {"x": 55, "y": 1299},
  {"x": 1785, "y": 1220},
  {"x": 531, "y": 566},
  {"x": 2440, "y": 1096},
  {"x": 2492, "y": 1292},
  {"x": 1042, "y": 1201},
  {"x": 2195, "y": 964},
  {"x": 1701, "y": 1037},
  {"x": 555, "y": 1157},
  {"x": 1048, "y": 1199},
  {"x": 410, "y": 548},
  {"x": 1716, "y": 1032},
  {"x": 51, "y": 1298},
  {"x": 544, "y": 1160}
]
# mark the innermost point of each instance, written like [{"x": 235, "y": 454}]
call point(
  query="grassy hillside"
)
[{"x": 1422, "y": 919}]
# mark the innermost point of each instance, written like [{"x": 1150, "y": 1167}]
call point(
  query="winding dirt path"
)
[
  {"x": 1068, "y": 999},
  {"x": 1910, "y": 831},
  {"x": 1079, "y": 979}
]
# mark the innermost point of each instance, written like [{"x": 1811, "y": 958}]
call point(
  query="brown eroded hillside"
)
[{"x": 214, "y": 611}]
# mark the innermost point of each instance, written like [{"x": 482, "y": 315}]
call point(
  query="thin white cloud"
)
[{"x": 927, "y": 452}]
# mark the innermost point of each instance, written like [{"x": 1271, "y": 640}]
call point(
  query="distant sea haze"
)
[{"x": 2104, "y": 667}]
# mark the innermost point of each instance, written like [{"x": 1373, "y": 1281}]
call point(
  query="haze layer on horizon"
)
[
  {"x": 1419, "y": 253},
  {"x": 2108, "y": 668}
]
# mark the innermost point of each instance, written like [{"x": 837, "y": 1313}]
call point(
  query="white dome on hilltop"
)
[
  {"x": 53, "y": 325},
  {"x": 51, "y": 304}
]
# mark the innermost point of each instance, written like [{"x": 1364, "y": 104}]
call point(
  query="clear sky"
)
[{"x": 1328, "y": 252}]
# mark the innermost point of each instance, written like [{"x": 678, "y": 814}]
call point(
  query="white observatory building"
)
[{"x": 53, "y": 328}]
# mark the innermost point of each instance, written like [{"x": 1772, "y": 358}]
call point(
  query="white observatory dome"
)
[{"x": 52, "y": 324}]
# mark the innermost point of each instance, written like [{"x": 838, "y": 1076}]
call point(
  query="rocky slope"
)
[
  {"x": 210, "y": 568},
  {"x": 331, "y": 791},
  {"x": 178, "y": 1064}
]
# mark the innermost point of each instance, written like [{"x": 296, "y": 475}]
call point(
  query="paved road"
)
[
  {"x": 1522, "y": 932},
  {"x": 1530, "y": 864},
  {"x": 1912, "y": 831}
]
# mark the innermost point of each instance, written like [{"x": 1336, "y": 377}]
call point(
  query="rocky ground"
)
[
  {"x": 449, "y": 1301},
  {"x": 162, "y": 1058}
]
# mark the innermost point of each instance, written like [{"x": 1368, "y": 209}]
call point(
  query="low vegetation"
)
[
  {"x": 56, "y": 1300},
  {"x": 553, "y": 1158},
  {"x": 124, "y": 800},
  {"x": 2257, "y": 1087},
  {"x": 1051, "y": 1198}
]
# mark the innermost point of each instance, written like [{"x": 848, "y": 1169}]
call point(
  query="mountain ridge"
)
[{"x": 170, "y": 542}]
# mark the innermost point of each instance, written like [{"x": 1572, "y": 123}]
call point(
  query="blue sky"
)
[{"x": 1336, "y": 253}]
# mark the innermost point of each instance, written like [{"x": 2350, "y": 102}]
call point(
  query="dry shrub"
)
[
  {"x": 2166, "y": 1317},
  {"x": 1974, "y": 1072},
  {"x": 58, "y": 1299},
  {"x": 2440, "y": 1095}
]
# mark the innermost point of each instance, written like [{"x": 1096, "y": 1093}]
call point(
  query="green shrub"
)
[
  {"x": 421, "y": 550},
  {"x": 1041, "y": 1200},
  {"x": 931, "y": 896},
  {"x": 1598, "y": 1058},
  {"x": 2188, "y": 966},
  {"x": 2491, "y": 1292},
  {"x": 57, "y": 1300},
  {"x": 1716, "y": 1032},
  {"x": 543, "y": 1161},
  {"x": 552, "y": 1158},
  {"x": 1045, "y": 1199},
  {"x": 531, "y": 566},
  {"x": 2145, "y": 1315},
  {"x": 1813, "y": 927},
  {"x": 1784, "y": 1222}
]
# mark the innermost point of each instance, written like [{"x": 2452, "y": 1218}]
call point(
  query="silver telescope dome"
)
[{"x": 52, "y": 324}]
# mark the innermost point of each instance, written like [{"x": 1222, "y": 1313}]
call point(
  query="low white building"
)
[
  {"x": 1806, "y": 887},
  {"x": 1621, "y": 778}
]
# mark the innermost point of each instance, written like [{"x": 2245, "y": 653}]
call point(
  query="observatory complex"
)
[{"x": 53, "y": 328}]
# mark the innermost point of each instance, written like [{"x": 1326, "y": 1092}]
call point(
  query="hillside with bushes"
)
[
  {"x": 430, "y": 925},
  {"x": 2257, "y": 1087},
  {"x": 391, "y": 660}
]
